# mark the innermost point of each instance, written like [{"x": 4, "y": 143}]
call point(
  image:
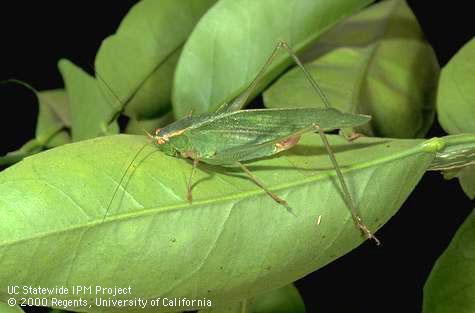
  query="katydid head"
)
[{"x": 157, "y": 138}]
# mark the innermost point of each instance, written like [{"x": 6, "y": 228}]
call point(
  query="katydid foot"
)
[
  {"x": 365, "y": 230},
  {"x": 353, "y": 136}
]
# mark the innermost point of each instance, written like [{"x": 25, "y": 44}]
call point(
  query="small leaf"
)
[
  {"x": 138, "y": 62},
  {"x": 466, "y": 176},
  {"x": 282, "y": 300},
  {"x": 221, "y": 247},
  {"x": 456, "y": 96},
  {"x": 451, "y": 284},
  {"x": 91, "y": 114},
  {"x": 60, "y": 138},
  {"x": 234, "y": 39},
  {"x": 376, "y": 62},
  {"x": 467, "y": 180},
  {"x": 29, "y": 148},
  {"x": 53, "y": 115}
]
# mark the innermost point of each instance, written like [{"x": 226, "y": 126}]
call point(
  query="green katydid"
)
[{"x": 231, "y": 136}]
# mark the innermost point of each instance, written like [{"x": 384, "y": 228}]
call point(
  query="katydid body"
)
[
  {"x": 231, "y": 136},
  {"x": 224, "y": 138}
]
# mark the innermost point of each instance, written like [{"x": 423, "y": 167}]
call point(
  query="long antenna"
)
[
  {"x": 99, "y": 77},
  {"x": 122, "y": 179}
]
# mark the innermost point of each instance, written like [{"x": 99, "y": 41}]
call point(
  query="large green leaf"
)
[
  {"x": 451, "y": 284},
  {"x": 232, "y": 243},
  {"x": 456, "y": 96},
  {"x": 376, "y": 62},
  {"x": 233, "y": 40},
  {"x": 91, "y": 114},
  {"x": 138, "y": 62}
]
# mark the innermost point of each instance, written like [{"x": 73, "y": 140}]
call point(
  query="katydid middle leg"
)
[
  {"x": 352, "y": 136},
  {"x": 260, "y": 184},
  {"x": 189, "y": 194}
]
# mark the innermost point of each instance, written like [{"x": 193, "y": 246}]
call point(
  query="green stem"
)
[
  {"x": 31, "y": 147},
  {"x": 458, "y": 151}
]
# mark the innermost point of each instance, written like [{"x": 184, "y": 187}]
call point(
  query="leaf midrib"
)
[{"x": 197, "y": 204}]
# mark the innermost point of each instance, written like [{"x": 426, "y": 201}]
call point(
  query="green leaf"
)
[
  {"x": 138, "y": 62},
  {"x": 5, "y": 308},
  {"x": 466, "y": 176},
  {"x": 53, "y": 115},
  {"x": 282, "y": 300},
  {"x": 29, "y": 148},
  {"x": 233, "y": 40},
  {"x": 376, "y": 62},
  {"x": 456, "y": 105},
  {"x": 456, "y": 96},
  {"x": 460, "y": 152},
  {"x": 451, "y": 284},
  {"x": 91, "y": 114},
  {"x": 60, "y": 138},
  {"x": 232, "y": 243},
  {"x": 467, "y": 180},
  {"x": 458, "y": 160}
]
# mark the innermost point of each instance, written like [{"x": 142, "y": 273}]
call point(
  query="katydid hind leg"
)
[
  {"x": 351, "y": 135},
  {"x": 275, "y": 197},
  {"x": 311, "y": 80},
  {"x": 189, "y": 194},
  {"x": 240, "y": 101},
  {"x": 346, "y": 193}
]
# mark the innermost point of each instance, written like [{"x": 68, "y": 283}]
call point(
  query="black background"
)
[{"x": 390, "y": 278}]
